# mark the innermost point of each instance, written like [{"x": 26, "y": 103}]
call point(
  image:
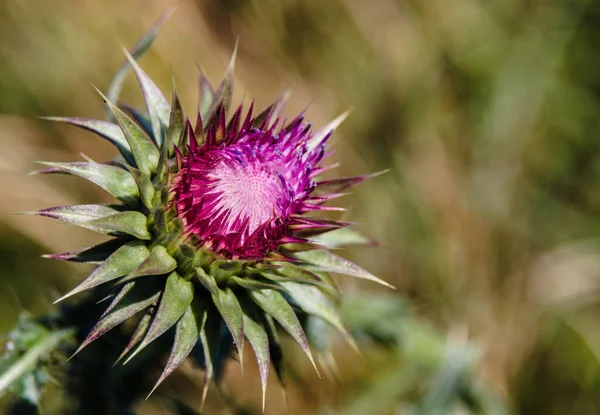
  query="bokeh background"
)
[{"x": 486, "y": 114}]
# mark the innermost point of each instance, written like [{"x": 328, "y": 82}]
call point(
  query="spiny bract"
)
[{"x": 211, "y": 235}]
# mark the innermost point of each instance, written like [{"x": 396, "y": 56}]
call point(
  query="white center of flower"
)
[{"x": 245, "y": 192}]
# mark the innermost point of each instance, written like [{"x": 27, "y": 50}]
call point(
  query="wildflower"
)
[{"x": 218, "y": 227}]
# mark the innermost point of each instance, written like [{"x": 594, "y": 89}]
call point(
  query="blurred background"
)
[{"x": 486, "y": 114}]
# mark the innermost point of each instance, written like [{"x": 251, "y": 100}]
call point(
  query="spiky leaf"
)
[
  {"x": 210, "y": 337},
  {"x": 158, "y": 262},
  {"x": 229, "y": 307},
  {"x": 145, "y": 186},
  {"x": 224, "y": 91},
  {"x": 207, "y": 95},
  {"x": 156, "y": 104},
  {"x": 176, "y": 298},
  {"x": 104, "y": 129},
  {"x": 93, "y": 254},
  {"x": 132, "y": 299},
  {"x": 258, "y": 339},
  {"x": 143, "y": 149},
  {"x": 80, "y": 214},
  {"x": 275, "y": 305},
  {"x": 121, "y": 262},
  {"x": 137, "y": 336},
  {"x": 323, "y": 260},
  {"x": 339, "y": 238},
  {"x": 130, "y": 223},
  {"x": 187, "y": 333},
  {"x": 251, "y": 284},
  {"x": 114, "y": 90},
  {"x": 114, "y": 180},
  {"x": 173, "y": 136},
  {"x": 312, "y": 301}
]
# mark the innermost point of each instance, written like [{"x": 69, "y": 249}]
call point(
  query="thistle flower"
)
[{"x": 218, "y": 228}]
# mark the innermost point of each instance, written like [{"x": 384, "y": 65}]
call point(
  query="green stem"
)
[{"x": 28, "y": 361}]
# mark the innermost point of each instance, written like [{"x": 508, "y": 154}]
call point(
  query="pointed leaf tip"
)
[
  {"x": 104, "y": 129},
  {"x": 223, "y": 94},
  {"x": 121, "y": 262},
  {"x": 310, "y": 299},
  {"x": 114, "y": 90},
  {"x": 176, "y": 298},
  {"x": 187, "y": 334},
  {"x": 323, "y": 260},
  {"x": 145, "y": 152},
  {"x": 158, "y": 262},
  {"x": 156, "y": 103},
  {"x": 275, "y": 305},
  {"x": 114, "y": 180},
  {"x": 259, "y": 340},
  {"x": 231, "y": 311},
  {"x": 129, "y": 222},
  {"x": 132, "y": 299}
]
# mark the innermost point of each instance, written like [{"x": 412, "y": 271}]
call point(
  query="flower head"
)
[
  {"x": 238, "y": 196},
  {"x": 216, "y": 215}
]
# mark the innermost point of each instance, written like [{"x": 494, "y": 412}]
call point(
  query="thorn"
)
[
  {"x": 64, "y": 297},
  {"x": 233, "y": 56},
  {"x": 204, "y": 394}
]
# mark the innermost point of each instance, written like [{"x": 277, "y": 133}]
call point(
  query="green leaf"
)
[
  {"x": 258, "y": 339},
  {"x": 104, "y": 129},
  {"x": 130, "y": 223},
  {"x": 323, "y": 260},
  {"x": 121, "y": 262},
  {"x": 210, "y": 337},
  {"x": 229, "y": 308},
  {"x": 187, "y": 334},
  {"x": 114, "y": 180},
  {"x": 275, "y": 305},
  {"x": 292, "y": 273},
  {"x": 207, "y": 95},
  {"x": 78, "y": 213},
  {"x": 114, "y": 90},
  {"x": 231, "y": 311},
  {"x": 143, "y": 148},
  {"x": 132, "y": 299},
  {"x": 224, "y": 92},
  {"x": 312, "y": 301},
  {"x": 342, "y": 237},
  {"x": 145, "y": 186},
  {"x": 251, "y": 284},
  {"x": 173, "y": 137},
  {"x": 176, "y": 298},
  {"x": 156, "y": 104},
  {"x": 158, "y": 262},
  {"x": 93, "y": 255},
  {"x": 275, "y": 350},
  {"x": 137, "y": 335}
]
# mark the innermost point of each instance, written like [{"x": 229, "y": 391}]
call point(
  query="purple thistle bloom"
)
[
  {"x": 240, "y": 190},
  {"x": 216, "y": 214}
]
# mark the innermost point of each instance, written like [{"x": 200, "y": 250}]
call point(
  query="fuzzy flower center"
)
[{"x": 246, "y": 190}]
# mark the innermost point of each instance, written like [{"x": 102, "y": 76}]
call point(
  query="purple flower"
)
[
  {"x": 241, "y": 191},
  {"x": 217, "y": 215}
]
